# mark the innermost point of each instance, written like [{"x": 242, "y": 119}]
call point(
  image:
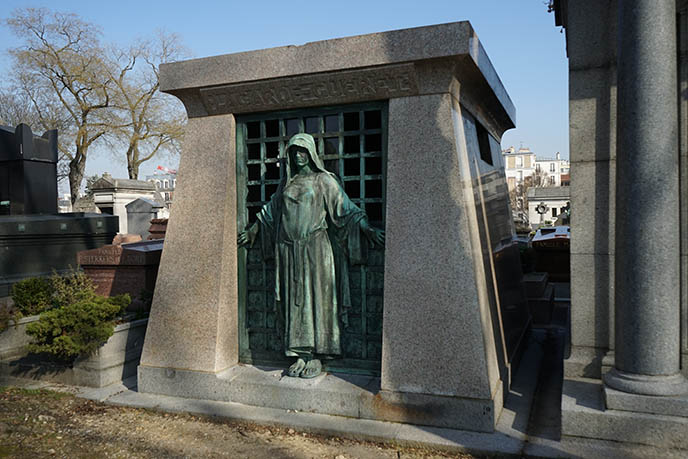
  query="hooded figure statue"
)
[{"x": 310, "y": 227}]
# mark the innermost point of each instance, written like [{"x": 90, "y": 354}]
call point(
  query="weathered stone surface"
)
[
  {"x": 13, "y": 339},
  {"x": 592, "y": 44},
  {"x": 193, "y": 322},
  {"x": 592, "y": 298},
  {"x": 426, "y": 184},
  {"x": 592, "y": 114},
  {"x": 670, "y": 406},
  {"x": 312, "y": 90},
  {"x": 584, "y": 362},
  {"x": 334, "y": 394},
  {"x": 593, "y": 196},
  {"x": 584, "y": 415},
  {"x": 113, "y": 362}
]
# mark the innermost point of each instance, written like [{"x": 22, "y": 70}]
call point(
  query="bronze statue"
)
[{"x": 311, "y": 227}]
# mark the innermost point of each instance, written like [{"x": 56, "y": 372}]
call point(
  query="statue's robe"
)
[{"x": 311, "y": 280}]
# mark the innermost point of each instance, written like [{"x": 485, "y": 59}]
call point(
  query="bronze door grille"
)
[{"x": 352, "y": 140}]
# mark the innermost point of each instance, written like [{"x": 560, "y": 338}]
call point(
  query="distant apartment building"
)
[
  {"x": 557, "y": 170},
  {"x": 523, "y": 163},
  {"x": 165, "y": 181},
  {"x": 518, "y": 165}
]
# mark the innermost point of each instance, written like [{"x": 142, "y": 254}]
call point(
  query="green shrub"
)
[
  {"x": 32, "y": 296},
  {"x": 78, "y": 328},
  {"x": 8, "y": 314},
  {"x": 71, "y": 288}
]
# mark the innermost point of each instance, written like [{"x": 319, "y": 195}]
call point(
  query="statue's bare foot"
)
[
  {"x": 313, "y": 369},
  {"x": 296, "y": 369}
]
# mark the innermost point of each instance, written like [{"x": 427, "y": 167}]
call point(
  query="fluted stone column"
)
[{"x": 647, "y": 203}]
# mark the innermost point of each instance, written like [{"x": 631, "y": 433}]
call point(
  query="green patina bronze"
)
[{"x": 313, "y": 231}]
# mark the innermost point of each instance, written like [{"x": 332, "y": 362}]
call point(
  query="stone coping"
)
[
  {"x": 131, "y": 324},
  {"x": 23, "y": 320},
  {"x": 444, "y": 41}
]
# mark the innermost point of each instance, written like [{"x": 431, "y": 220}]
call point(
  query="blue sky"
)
[{"x": 520, "y": 37}]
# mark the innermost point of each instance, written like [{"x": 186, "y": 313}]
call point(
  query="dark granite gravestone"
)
[
  {"x": 34, "y": 239},
  {"x": 28, "y": 171}
]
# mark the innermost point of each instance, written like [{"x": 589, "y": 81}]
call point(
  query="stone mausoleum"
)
[
  {"x": 410, "y": 122},
  {"x": 625, "y": 379}
]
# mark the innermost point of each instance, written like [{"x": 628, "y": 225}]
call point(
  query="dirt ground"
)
[{"x": 37, "y": 423}]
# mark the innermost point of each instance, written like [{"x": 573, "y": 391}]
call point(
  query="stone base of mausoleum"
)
[{"x": 336, "y": 394}]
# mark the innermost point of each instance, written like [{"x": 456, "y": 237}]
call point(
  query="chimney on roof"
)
[{"x": 558, "y": 155}]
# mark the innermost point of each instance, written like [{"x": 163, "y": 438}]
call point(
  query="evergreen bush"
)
[
  {"x": 77, "y": 328},
  {"x": 32, "y": 296},
  {"x": 71, "y": 288}
]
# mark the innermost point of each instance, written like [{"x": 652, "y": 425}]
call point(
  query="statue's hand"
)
[
  {"x": 375, "y": 236},
  {"x": 247, "y": 237}
]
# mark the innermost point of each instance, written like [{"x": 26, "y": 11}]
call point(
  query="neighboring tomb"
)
[
  {"x": 409, "y": 122},
  {"x": 140, "y": 213},
  {"x": 112, "y": 195},
  {"x": 127, "y": 268},
  {"x": 28, "y": 171},
  {"x": 34, "y": 238},
  {"x": 158, "y": 228}
]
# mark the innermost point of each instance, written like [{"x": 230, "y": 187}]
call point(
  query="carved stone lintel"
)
[{"x": 312, "y": 90}]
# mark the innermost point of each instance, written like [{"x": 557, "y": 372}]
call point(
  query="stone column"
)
[{"x": 647, "y": 329}]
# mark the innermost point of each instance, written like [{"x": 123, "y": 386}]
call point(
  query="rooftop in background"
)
[{"x": 549, "y": 192}]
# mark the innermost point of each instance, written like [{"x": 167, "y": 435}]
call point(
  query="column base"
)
[{"x": 646, "y": 384}]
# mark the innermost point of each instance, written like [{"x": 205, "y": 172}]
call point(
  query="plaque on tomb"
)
[{"x": 127, "y": 268}]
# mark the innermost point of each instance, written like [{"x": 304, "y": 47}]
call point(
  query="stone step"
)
[
  {"x": 535, "y": 283},
  {"x": 583, "y": 414}
]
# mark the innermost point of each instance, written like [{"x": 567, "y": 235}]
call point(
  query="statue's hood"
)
[{"x": 305, "y": 141}]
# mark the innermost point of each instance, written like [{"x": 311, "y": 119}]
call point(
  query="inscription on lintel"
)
[{"x": 312, "y": 90}]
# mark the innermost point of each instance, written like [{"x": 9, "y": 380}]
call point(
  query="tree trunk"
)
[
  {"x": 132, "y": 166},
  {"x": 133, "y": 171},
  {"x": 77, "y": 166}
]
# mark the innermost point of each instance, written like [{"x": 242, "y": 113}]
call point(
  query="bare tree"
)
[
  {"x": 150, "y": 123},
  {"x": 15, "y": 109},
  {"x": 17, "y": 106},
  {"x": 61, "y": 69}
]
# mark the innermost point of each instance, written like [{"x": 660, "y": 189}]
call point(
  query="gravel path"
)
[{"x": 38, "y": 423}]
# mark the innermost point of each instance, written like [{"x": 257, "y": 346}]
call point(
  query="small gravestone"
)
[{"x": 140, "y": 212}]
